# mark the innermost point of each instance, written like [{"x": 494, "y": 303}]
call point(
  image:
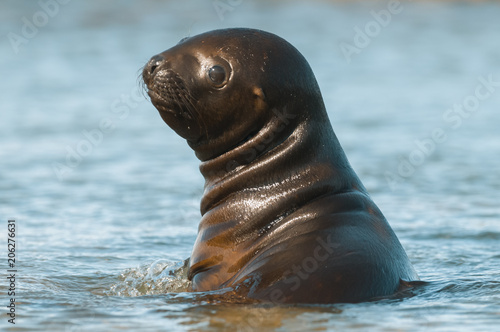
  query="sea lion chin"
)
[{"x": 284, "y": 217}]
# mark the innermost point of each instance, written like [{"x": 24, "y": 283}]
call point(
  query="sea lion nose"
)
[
  {"x": 148, "y": 72},
  {"x": 155, "y": 61}
]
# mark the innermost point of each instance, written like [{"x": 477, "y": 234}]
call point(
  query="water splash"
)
[{"x": 160, "y": 277}]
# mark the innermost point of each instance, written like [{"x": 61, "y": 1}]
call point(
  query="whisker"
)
[
  {"x": 142, "y": 85},
  {"x": 188, "y": 104},
  {"x": 188, "y": 100},
  {"x": 171, "y": 89}
]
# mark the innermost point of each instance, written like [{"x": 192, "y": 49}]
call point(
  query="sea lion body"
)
[{"x": 285, "y": 219}]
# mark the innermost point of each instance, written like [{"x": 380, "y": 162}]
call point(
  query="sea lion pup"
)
[{"x": 285, "y": 218}]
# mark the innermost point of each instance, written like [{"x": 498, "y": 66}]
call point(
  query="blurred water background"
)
[{"x": 103, "y": 219}]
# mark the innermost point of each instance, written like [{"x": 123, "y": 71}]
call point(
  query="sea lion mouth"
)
[
  {"x": 165, "y": 105},
  {"x": 169, "y": 94}
]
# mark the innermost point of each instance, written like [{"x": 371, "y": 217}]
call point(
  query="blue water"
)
[{"x": 106, "y": 197}]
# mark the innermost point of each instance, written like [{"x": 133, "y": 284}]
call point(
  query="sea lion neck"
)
[
  {"x": 260, "y": 138},
  {"x": 231, "y": 129},
  {"x": 266, "y": 157}
]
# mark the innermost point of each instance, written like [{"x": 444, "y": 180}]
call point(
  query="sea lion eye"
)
[{"x": 217, "y": 75}]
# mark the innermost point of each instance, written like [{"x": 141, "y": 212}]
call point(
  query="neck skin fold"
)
[{"x": 251, "y": 189}]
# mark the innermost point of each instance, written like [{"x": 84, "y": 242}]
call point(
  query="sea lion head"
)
[{"x": 219, "y": 88}]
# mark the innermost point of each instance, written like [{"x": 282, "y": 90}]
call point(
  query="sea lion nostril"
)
[{"x": 155, "y": 62}]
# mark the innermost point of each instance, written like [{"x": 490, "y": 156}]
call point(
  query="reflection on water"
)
[{"x": 102, "y": 249}]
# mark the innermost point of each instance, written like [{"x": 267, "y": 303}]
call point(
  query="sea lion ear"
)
[{"x": 260, "y": 98}]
